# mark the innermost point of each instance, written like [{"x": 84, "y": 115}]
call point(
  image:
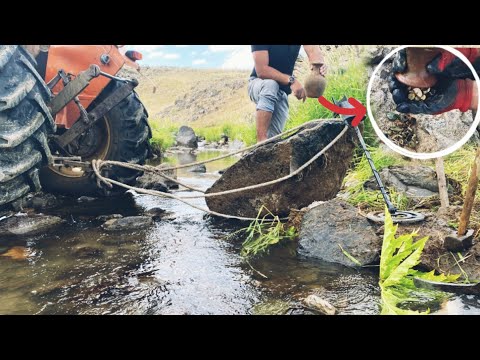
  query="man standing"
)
[{"x": 272, "y": 81}]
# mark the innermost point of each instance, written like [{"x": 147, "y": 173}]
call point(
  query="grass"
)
[
  {"x": 163, "y": 134},
  {"x": 458, "y": 164},
  {"x": 263, "y": 232},
  {"x": 242, "y": 132}
]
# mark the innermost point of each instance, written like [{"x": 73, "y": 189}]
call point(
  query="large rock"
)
[
  {"x": 413, "y": 181},
  {"x": 28, "y": 225},
  {"x": 320, "y": 181},
  {"x": 186, "y": 137},
  {"x": 332, "y": 224}
]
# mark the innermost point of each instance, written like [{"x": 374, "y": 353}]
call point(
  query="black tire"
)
[
  {"x": 25, "y": 122},
  {"x": 127, "y": 124}
]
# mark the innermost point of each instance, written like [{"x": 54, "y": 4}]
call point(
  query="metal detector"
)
[{"x": 398, "y": 216}]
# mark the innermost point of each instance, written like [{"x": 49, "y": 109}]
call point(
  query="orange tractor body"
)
[
  {"x": 75, "y": 58},
  {"x": 82, "y": 111}
]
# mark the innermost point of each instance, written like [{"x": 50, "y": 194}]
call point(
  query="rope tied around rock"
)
[{"x": 98, "y": 164}]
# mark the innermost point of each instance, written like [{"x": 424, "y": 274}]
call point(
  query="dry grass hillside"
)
[
  {"x": 211, "y": 101},
  {"x": 195, "y": 97}
]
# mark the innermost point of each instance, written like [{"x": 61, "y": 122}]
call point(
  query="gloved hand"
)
[
  {"x": 398, "y": 89},
  {"x": 449, "y": 65},
  {"x": 449, "y": 93}
]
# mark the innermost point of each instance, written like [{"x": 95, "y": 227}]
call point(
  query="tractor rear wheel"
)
[
  {"x": 25, "y": 122},
  {"x": 122, "y": 135}
]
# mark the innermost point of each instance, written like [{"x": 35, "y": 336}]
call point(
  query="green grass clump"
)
[
  {"x": 458, "y": 165},
  {"x": 263, "y": 232},
  {"x": 163, "y": 133},
  {"x": 245, "y": 132}
]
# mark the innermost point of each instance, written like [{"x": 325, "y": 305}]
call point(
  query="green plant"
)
[
  {"x": 263, "y": 232},
  {"x": 399, "y": 257},
  {"x": 163, "y": 133}
]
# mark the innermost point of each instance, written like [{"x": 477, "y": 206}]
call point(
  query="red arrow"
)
[{"x": 358, "y": 109}]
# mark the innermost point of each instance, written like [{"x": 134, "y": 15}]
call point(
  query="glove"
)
[
  {"x": 449, "y": 95},
  {"x": 398, "y": 89},
  {"x": 449, "y": 65}
]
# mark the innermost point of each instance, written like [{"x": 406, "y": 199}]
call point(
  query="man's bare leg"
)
[{"x": 263, "y": 119}]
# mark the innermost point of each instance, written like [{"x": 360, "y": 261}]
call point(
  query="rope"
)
[
  {"x": 109, "y": 182},
  {"x": 251, "y": 187},
  {"x": 98, "y": 164},
  {"x": 159, "y": 171}
]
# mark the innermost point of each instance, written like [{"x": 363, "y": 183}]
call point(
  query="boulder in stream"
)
[
  {"x": 334, "y": 225},
  {"x": 186, "y": 137},
  {"x": 320, "y": 181}
]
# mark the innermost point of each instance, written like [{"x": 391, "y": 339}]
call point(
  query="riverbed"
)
[{"x": 183, "y": 264}]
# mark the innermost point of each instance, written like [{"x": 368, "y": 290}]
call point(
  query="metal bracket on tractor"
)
[
  {"x": 71, "y": 161},
  {"x": 378, "y": 217},
  {"x": 70, "y": 92}
]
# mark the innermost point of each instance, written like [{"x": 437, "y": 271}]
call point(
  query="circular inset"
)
[{"x": 403, "y": 130}]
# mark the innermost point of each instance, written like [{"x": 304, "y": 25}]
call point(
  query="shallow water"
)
[{"x": 184, "y": 265}]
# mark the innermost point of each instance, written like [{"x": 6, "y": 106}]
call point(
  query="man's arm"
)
[
  {"x": 264, "y": 71},
  {"x": 315, "y": 57}
]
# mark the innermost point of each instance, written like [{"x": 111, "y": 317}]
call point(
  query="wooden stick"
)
[
  {"x": 469, "y": 195},
  {"x": 442, "y": 183}
]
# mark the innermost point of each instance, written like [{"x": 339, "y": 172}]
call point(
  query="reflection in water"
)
[{"x": 184, "y": 265}]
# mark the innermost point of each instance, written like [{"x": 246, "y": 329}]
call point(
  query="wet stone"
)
[
  {"x": 104, "y": 218},
  {"x": 87, "y": 252},
  {"x": 316, "y": 303},
  {"x": 28, "y": 225},
  {"x": 392, "y": 116},
  {"x": 128, "y": 223},
  {"x": 198, "y": 169}
]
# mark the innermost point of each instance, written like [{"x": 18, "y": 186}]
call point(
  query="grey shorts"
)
[{"x": 266, "y": 94}]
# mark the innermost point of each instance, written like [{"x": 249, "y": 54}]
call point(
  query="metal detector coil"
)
[{"x": 398, "y": 216}]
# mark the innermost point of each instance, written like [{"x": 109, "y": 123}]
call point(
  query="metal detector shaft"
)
[{"x": 391, "y": 208}]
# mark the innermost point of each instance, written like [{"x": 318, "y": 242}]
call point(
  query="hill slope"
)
[{"x": 196, "y": 97}]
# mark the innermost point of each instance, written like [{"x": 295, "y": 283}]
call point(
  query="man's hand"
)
[
  {"x": 449, "y": 65},
  {"x": 298, "y": 90},
  {"x": 319, "y": 68}
]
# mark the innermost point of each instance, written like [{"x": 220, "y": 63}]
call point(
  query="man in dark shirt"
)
[{"x": 272, "y": 81}]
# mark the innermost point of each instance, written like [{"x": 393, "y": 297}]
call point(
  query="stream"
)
[{"x": 184, "y": 264}]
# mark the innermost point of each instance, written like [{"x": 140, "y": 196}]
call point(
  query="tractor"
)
[{"x": 62, "y": 106}]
